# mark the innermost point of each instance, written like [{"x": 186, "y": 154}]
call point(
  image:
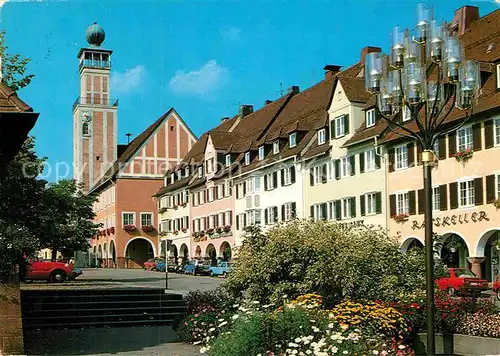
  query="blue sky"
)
[{"x": 203, "y": 58}]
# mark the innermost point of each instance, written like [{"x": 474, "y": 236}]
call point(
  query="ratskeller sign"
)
[{"x": 454, "y": 220}]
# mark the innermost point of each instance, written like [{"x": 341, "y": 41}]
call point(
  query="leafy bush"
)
[{"x": 334, "y": 261}]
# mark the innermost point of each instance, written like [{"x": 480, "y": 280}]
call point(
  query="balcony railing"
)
[
  {"x": 95, "y": 101},
  {"x": 90, "y": 63}
]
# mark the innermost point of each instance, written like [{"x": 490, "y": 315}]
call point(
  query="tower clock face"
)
[{"x": 86, "y": 116}]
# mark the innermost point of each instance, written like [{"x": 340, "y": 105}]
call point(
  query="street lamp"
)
[{"x": 427, "y": 74}]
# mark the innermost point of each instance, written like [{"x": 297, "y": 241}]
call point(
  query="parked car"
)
[
  {"x": 496, "y": 288},
  {"x": 222, "y": 269},
  {"x": 160, "y": 265},
  {"x": 150, "y": 265},
  {"x": 74, "y": 274},
  {"x": 196, "y": 269},
  {"x": 462, "y": 281},
  {"x": 50, "y": 271}
]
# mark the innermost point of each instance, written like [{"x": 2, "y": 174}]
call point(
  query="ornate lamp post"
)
[{"x": 427, "y": 75}]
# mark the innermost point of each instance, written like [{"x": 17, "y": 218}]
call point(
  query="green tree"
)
[
  {"x": 67, "y": 218},
  {"x": 13, "y": 67},
  {"x": 21, "y": 208}
]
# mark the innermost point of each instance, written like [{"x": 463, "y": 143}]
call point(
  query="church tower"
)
[{"x": 94, "y": 112}]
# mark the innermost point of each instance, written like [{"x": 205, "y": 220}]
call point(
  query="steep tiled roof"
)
[
  {"x": 9, "y": 101},
  {"x": 482, "y": 38}
]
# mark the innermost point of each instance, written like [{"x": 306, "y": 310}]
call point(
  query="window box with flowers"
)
[
  {"x": 210, "y": 231},
  {"x": 399, "y": 218},
  {"x": 176, "y": 232},
  {"x": 219, "y": 229},
  {"x": 162, "y": 210},
  {"x": 175, "y": 207},
  {"x": 112, "y": 229},
  {"x": 183, "y": 205},
  {"x": 164, "y": 233},
  {"x": 464, "y": 155},
  {"x": 496, "y": 203},
  {"x": 227, "y": 228},
  {"x": 184, "y": 229},
  {"x": 148, "y": 228},
  {"x": 129, "y": 228}
]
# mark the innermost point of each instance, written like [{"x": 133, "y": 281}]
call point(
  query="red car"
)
[
  {"x": 50, "y": 271},
  {"x": 462, "y": 281},
  {"x": 496, "y": 288},
  {"x": 150, "y": 265}
]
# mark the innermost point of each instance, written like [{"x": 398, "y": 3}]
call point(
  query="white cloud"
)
[
  {"x": 208, "y": 78},
  {"x": 232, "y": 34},
  {"x": 2, "y": 2},
  {"x": 128, "y": 80}
]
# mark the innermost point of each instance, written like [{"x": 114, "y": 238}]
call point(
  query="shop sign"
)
[{"x": 455, "y": 219}]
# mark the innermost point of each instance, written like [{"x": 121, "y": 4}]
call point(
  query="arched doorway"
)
[
  {"x": 454, "y": 251},
  {"x": 225, "y": 251},
  {"x": 105, "y": 256},
  {"x": 211, "y": 254},
  {"x": 138, "y": 251},
  {"x": 410, "y": 243},
  {"x": 99, "y": 256},
  {"x": 488, "y": 247},
  {"x": 184, "y": 253},
  {"x": 112, "y": 252},
  {"x": 173, "y": 254}
]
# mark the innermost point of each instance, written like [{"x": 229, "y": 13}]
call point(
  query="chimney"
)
[
  {"x": 268, "y": 102},
  {"x": 293, "y": 89},
  {"x": 225, "y": 118},
  {"x": 331, "y": 71},
  {"x": 245, "y": 110},
  {"x": 464, "y": 17},
  {"x": 366, "y": 50}
]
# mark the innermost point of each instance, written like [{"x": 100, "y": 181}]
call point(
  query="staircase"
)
[{"x": 90, "y": 308}]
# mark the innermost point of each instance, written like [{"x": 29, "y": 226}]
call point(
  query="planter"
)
[
  {"x": 129, "y": 228},
  {"x": 400, "y": 218},
  {"x": 162, "y": 210},
  {"x": 148, "y": 228},
  {"x": 458, "y": 344},
  {"x": 11, "y": 329},
  {"x": 464, "y": 156},
  {"x": 496, "y": 204}
]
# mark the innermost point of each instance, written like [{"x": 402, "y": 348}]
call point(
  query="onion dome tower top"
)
[{"x": 95, "y": 34}]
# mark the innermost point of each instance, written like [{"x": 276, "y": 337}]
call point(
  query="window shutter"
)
[
  {"x": 292, "y": 174},
  {"x": 312, "y": 211},
  {"x": 421, "y": 201},
  {"x": 490, "y": 189},
  {"x": 353, "y": 207},
  {"x": 237, "y": 222},
  {"x": 478, "y": 191},
  {"x": 327, "y": 134},
  {"x": 377, "y": 160},
  {"x": 294, "y": 210},
  {"x": 323, "y": 173},
  {"x": 244, "y": 188},
  {"x": 311, "y": 176},
  {"x": 338, "y": 210},
  {"x": 275, "y": 213},
  {"x": 275, "y": 179},
  {"x": 245, "y": 220},
  {"x": 216, "y": 192},
  {"x": 216, "y": 220},
  {"x": 378, "y": 202},
  {"x": 442, "y": 147},
  {"x": 237, "y": 192},
  {"x": 489, "y": 134},
  {"x": 352, "y": 162},
  {"x": 337, "y": 169},
  {"x": 413, "y": 202},
  {"x": 265, "y": 182},
  {"x": 419, "y": 154},
  {"x": 452, "y": 144},
  {"x": 443, "y": 197},
  {"x": 283, "y": 212},
  {"x": 282, "y": 172},
  {"x": 324, "y": 209},
  {"x": 332, "y": 128},
  {"x": 346, "y": 124},
  {"x": 362, "y": 162},
  {"x": 205, "y": 192},
  {"x": 392, "y": 204},
  {"x": 230, "y": 217},
  {"x": 411, "y": 154},
  {"x": 453, "y": 195},
  {"x": 477, "y": 145},
  {"x": 193, "y": 224},
  {"x": 362, "y": 204},
  {"x": 391, "y": 155}
]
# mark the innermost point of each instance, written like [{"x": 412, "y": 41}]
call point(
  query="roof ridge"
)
[{"x": 12, "y": 97}]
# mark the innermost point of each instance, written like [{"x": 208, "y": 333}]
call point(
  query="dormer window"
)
[
  {"x": 406, "y": 114},
  {"x": 498, "y": 76},
  {"x": 179, "y": 175},
  {"x": 321, "y": 136},
  {"x": 370, "y": 118},
  {"x": 293, "y": 139},
  {"x": 247, "y": 158},
  {"x": 172, "y": 177},
  {"x": 200, "y": 171},
  {"x": 261, "y": 153},
  {"x": 276, "y": 147},
  {"x": 228, "y": 160},
  {"x": 165, "y": 181},
  {"x": 186, "y": 172}
]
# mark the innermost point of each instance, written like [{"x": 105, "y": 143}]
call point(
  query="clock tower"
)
[{"x": 94, "y": 112}]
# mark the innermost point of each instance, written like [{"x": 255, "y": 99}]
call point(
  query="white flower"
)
[
  {"x": 222, "y": 324},
  {"x": 375, "y": 352},
  {"x": 255, "y": 302},
  {"x": 309, "y": 352},
  {"x": 235, "y": 316},
  {"x": 298, "y": 339},
  {"x": 203, "y": 350},
  {"x": 345, "y": 352},
  {"x": 335, "y": 349},
  {"x": 330, "y": 326},
  {"x": 220, "y": 320},
  {"x": 196, "y": 342},
  {"x": 315, "y": 329},
  {"x": 294, "y": 352},
  {"x": 401, "y": 347},
  {"x": 292, "y": 344},
  {"x": 211, "y": 330}
]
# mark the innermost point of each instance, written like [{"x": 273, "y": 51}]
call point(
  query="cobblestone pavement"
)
[{"x": 132, "y": 278}]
